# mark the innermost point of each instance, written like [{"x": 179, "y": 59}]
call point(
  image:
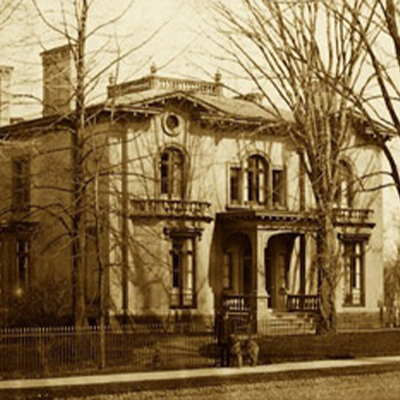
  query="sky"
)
[
  {"x": 179, "y": 37},
  {"x": 172, "y": 34}
]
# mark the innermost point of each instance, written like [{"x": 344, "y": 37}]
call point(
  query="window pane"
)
[
  {"x": 176, "y": 264},
  {"x": 277, "y": 186},
  {"x": 22, "y": 261},
  {"x": 344, "y": 192},
  {"x": 353, "y": 253},
  {"x": 227, "y": 271},
  {"x": 21, "y": 183},
  {"x": 172, "y": 173},
  {"x": 164, "y": 173},
  {"x": 183, "y": 285},
  {"x": 235, "y": 184},
  {"x": 250, "y": 186},
  {"x": 257, "y": 179}
]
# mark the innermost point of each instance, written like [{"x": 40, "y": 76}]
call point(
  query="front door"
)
[
  {"x": 277, "y": 261},
  {"x": 247, "y": 269}
]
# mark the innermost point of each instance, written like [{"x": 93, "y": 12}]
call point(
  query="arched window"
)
[
  {"x": 257, "y": 180},
  {"x": 344, "y": 196},
  {"x": 173, "y": 173}
]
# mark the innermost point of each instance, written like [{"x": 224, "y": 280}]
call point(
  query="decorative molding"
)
[{"x": 172, "y": 124}]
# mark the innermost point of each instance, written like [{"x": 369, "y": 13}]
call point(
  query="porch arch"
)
[
  {"x": 284, "y": 268},
  {"x": 238, "y": 264}
]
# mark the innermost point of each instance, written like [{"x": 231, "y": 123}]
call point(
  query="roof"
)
[
  {"x": 210, "y": 107},
  {"x": 232, "y": 107},
  {"x": 147, "y": 102}
]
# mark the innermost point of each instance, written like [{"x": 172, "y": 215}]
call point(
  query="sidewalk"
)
[{"x": 129, "y": 378}]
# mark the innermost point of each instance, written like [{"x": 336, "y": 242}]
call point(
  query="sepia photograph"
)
[{"x": 200, "y": 199}]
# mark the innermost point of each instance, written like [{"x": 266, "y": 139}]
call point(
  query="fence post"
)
[
  {"x": 42, "y": 351},
  {"x": 102, "y": 343}
]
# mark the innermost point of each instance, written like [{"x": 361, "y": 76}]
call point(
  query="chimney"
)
[
  {"x": 5, "y": 94},
  {"x": 218, "y": 83},
  {"x": 58, "y": 87}
]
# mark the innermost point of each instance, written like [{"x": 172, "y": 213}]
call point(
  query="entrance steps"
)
[{"x": 288, "y": 323}]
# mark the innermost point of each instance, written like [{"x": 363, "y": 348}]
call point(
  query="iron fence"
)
[
  {"x": 45, "y": 351},
  {"x": 35, "y": 352}
]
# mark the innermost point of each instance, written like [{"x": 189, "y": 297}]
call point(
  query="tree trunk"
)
[
  {"x": 78, "y": 214},
  {"x": 327, "y": 262}
]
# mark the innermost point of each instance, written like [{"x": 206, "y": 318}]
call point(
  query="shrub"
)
[{"x": 45, "y": 304}]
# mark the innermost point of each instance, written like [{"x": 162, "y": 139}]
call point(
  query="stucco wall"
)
[{"x": 210, "y": 151}]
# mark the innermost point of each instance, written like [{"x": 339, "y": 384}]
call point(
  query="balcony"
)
[
  {"x": 351, "y": 216},
  {"x": 170, "y": 209}
]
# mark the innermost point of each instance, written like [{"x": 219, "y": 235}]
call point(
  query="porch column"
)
[
  {"x": 302, "y": 264},
  {"x": 262, "y": 295}
]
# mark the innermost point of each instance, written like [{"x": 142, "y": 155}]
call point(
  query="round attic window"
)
[{"x": 172, "y": 124}]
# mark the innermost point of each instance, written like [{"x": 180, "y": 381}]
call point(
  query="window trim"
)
[
  {"x": 227, "y": 266},
  {"x": 361, "y": 241},
  {"x": 267, "y": 192},
  {"x": 180, "y": 290},
  {"x": 260, "y": 190},
  {"x": 21, "y": 183},
  {"x": 238, "y": 167},
  {"x": 26, "y": 282},
  {"x": 345, "y": 173},
  {"x": 183, "y": 190},
  {"x": 283, "y": 189}
]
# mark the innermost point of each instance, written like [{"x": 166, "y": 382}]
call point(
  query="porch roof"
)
[
  {"x": 274, "y": 219},
  {"x": 296, "y": 220}
]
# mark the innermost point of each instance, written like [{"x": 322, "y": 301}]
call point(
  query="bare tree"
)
[
  {"x": 280, "y": 46},
  {"x": 80, "y": 197}
]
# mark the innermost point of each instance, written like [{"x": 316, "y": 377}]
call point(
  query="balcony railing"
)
[
  {"x": 166, "y": 208},
  {"x": 351, "y": 215},
  {"x": 302, "y": 302},
  {"x": 160, "y": 82}
]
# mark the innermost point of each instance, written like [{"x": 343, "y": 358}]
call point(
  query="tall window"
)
[
  {"x": 344, "y": 195},
  {"x": 183, "y": 258},
  {"x": 278, "y": 188},
  {"x": 227, "y": 271},
  {"x": 22, "y": 265},
  {"x": 173, "y": 173},
  {"x": 257, "y": 180},
  {"x": 354, "y": 272},
  {"x": 21, "y": 184},
  {"x": 235, "y": 185}
]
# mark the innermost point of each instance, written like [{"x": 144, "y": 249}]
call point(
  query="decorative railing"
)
[
  {"x": 240, "y": 303},
  {"x": 164, "y": 83},
  {"x": 302, "y": 302},
  {"x": 186, "y": 85},
  {"x": 166, "y": 208},
  {"x": 351, "y": 215}
]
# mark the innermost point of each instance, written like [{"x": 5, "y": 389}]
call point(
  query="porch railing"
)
[
  {"x": 239, "y": 303},
  {"x": 302, "y": 302}
]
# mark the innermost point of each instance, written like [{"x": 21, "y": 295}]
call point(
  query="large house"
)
[{"x": 204, "y": 203}]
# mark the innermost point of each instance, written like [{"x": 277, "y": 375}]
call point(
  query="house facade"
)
[{"x": 206, "y": 204}]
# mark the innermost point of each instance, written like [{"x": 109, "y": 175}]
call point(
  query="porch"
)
[
  {"x": 298, "y": 318},
  {"x": 267, "y": 271}
]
